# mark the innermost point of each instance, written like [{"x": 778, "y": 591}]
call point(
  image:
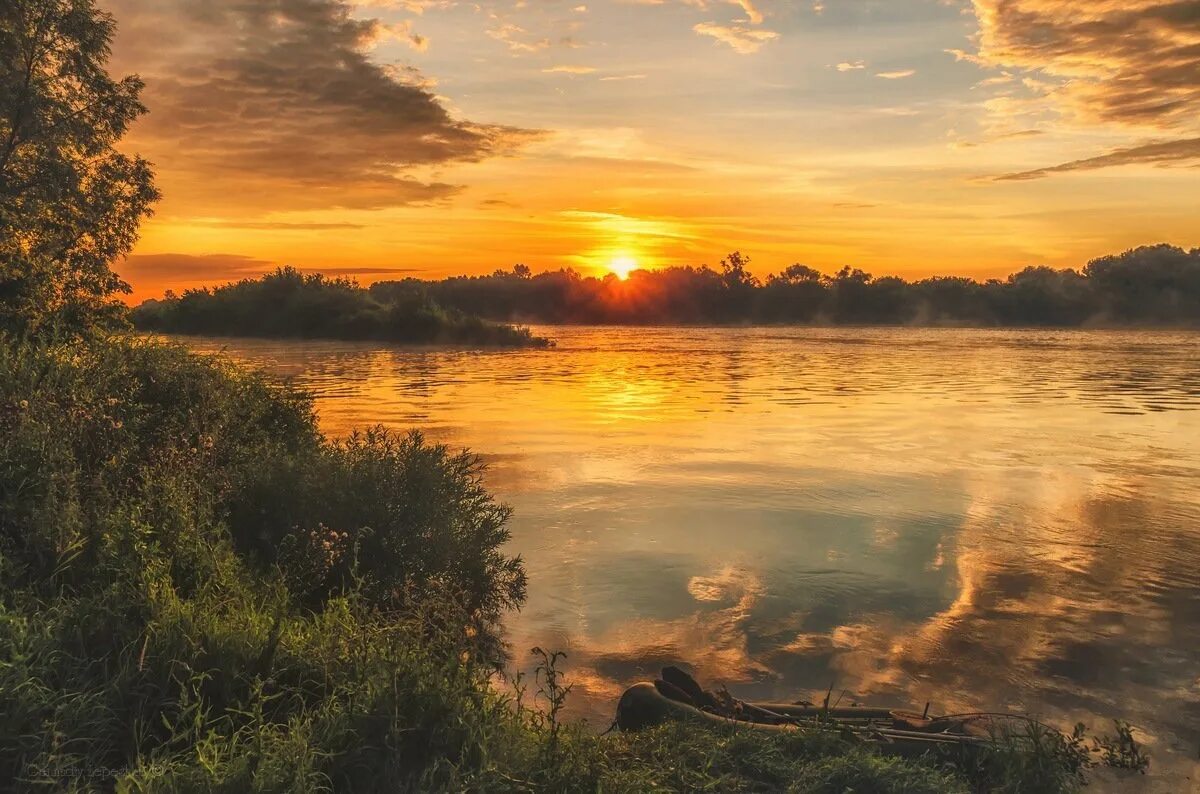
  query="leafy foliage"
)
[
  {"x": 134, "y": 581},
  {"x": 1122, "y": 751},
  {"x": 190, "y": 453},
  {"x": 70, "y": 203}
]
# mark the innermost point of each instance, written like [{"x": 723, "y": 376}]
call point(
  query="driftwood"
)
[{"x": 678, "y": 697}]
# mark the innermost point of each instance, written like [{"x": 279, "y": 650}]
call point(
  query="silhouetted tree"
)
[
  {"x": 1042, "y": 296},
  {"x": 951, "y": 300},
  {"x": 796, "y": 295},
  {"x": 1155, "y": 284},
  {"x": 1151, "y": 284},
  {"x": 740, "y": 285},
  {"x": 70, "y": 203},
  {"x": 290, "y": 304}
]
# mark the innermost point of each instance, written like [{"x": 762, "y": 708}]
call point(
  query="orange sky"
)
[{"x": 381, "y": 138}]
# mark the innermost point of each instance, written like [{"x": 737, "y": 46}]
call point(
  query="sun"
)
[{"x": 622, "y": 266}]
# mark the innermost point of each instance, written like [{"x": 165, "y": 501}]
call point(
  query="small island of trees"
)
[{"x": 287, "y": 303}]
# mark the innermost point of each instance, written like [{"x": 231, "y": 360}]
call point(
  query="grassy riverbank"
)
[{"x": 199, "y": 592}]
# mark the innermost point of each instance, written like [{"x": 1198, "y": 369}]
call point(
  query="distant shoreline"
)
[{"x": 1152, "y": 287}]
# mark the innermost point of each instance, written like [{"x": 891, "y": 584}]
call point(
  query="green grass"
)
[{"x": 199, "y": 592}]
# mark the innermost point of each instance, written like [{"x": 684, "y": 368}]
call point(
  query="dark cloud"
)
[
  {"x": 1152, "y": 153},
  {"x": 278, "y": 104},
  {"x": 1117, "y": 61}
]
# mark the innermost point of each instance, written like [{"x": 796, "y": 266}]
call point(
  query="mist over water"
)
[{"x": 982, "y": 519}]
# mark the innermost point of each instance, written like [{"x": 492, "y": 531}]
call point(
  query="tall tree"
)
[{"x": 70, "y": 203}]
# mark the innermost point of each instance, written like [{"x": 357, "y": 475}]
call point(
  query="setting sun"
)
[{"x": 622, "y": 266}]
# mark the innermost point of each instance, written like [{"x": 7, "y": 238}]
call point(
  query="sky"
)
[{"x": 387, "y": 138}]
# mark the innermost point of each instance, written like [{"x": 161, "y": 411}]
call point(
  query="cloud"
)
[
  {"x": 415, "y": 6},
  {"x": 517, "y": 39},
  {"x": 899, "y": 74},
  {"x": 566, "y": 69},
  {"x": 752, "y": 13},
  {"x": 742, "y": 39},
  {"x": 272, "y": 226},
  {"x": 192, "y": 267},
  {"x": 1134, "y": 62},
  {"x": 403, "y": 31},
  {"x": 183, "y": 270},
  {"x": 1146, "y": 154},
  {"x": 850, "y": 66},
  {"x": 279, "y": 105},
  {"x": 1018, "y": 134}
]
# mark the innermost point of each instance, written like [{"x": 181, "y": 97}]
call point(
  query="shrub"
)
[{"x": 382, "y": 513}]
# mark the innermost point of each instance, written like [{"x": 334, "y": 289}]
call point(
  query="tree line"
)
[{"x": 1156, "y": 285}]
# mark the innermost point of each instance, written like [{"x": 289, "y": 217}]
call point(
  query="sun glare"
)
[{"x": 622, "y": 266}]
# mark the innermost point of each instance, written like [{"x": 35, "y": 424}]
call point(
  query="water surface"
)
[{"x": 980, "y": 519}]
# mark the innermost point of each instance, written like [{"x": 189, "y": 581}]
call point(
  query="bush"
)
[{"x": 381, "y": 513}]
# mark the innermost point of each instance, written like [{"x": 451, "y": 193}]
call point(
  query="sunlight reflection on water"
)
[{"x": 981, "y": 519}]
